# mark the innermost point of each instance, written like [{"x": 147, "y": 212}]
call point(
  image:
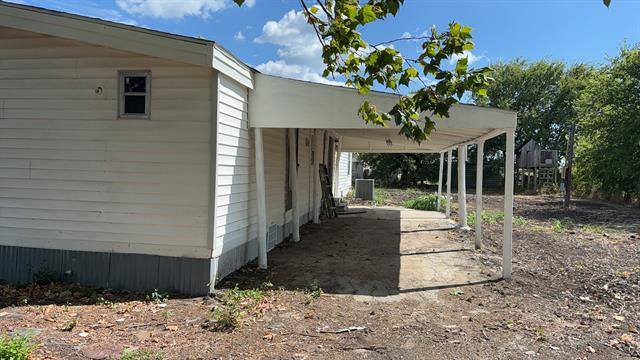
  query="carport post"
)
[
  {"x": 440, "y": 181},
  {"x": 317, "y": 159},
  {"x": 508, "y": 206},
  {"x": 462, "y": 187},
  {"x": 448, "y": 205},
  {"x": 479, "y": 164},
  {"x": 293, "y": 183},
  {"x": 336, "y": 171},
  {"x": 262, "y": 202}
]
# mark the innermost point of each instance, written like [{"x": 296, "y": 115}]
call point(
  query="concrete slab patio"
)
[{"x": 384, "y": 252}]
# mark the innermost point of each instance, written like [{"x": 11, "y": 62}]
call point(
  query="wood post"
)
[
  {"x": 440, "y": 181},
  {"x": 262, "y": 201},
  {"x": 448, "y": 205},
  {"x": 508, "y": 206},
  {"x": 479, "y": 174},
  {"x": 462, "y": 186},
  {"x": 293, "y": 183}
]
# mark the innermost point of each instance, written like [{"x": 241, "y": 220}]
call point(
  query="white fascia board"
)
[
  {"x": 108, "y": 34},
  {"x": 229, "y": 65},
  {"x": 286, "y": 103}
]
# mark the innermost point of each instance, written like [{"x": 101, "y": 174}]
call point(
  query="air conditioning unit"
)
[{"x": 364, "y": 189}]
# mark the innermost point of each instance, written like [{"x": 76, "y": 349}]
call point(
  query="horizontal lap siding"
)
[
  {"x": 345, "y": 173},
  {"x": 235, "y": 188},
  {"x": 74, "y": 176}
]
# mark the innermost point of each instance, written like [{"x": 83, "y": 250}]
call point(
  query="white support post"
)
[
  {"x": 318, "y": 142},
  {"x": 508, "y": 206},
  {"x": 462, "y": 187},
  {"x": 448, "y": 205},
  {"x": 336, "y": 171},
  {"x": 262, "y": 201},
  {"x": 440, "y": 181},
  {"x": 293, "y": 183},
  {"x": 479, "y": 174}
]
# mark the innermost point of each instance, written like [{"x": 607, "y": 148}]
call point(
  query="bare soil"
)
[{"x": 575, "y": 294}]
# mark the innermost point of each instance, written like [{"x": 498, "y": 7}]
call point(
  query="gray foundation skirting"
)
[{"x": 136, "y": 272}]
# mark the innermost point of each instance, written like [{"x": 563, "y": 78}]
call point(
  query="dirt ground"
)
[{"x": 575, "y": 294}]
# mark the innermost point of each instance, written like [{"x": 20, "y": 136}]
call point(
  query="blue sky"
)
[{"x": 272, "y": 36}]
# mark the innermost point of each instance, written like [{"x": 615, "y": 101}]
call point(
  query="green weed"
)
[
  {"x": 139, "y": 355},
  {"x": 235, "y": 304},
  {"x": 426, "y": 202},
  {"x": 494, "y": 217},
  {"x": 15, "y": 347},
  {"x": 157, "y": 296}
]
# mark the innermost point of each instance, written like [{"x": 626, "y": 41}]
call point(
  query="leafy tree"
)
[
  {"x": 338, "y": 25},
  {"x": 608, "y": 142},
  {"x": 402, "y": 170}
]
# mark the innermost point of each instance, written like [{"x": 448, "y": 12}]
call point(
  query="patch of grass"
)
[
  {"x": 426, "y": 202},
  {"x": 594, "y": 228},
  {"x": 235, "y": 304},
  {"x": 494, "y": 217},
  {"x": 15, "y": 347},
  {"x": 380, "y": 196},
  {"x": 456, "y": 292},
  {"x": 560, "y": 225},
  {"x": 139, "y": 355}
]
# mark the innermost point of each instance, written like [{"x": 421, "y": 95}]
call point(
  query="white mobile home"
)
[{"x": 132, "y": 158}]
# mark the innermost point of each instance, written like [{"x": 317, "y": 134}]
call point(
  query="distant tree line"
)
[{"x": 603, "y": 102}]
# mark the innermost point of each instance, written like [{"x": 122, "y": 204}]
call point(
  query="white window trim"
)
[{"x": 147, "y": 94}]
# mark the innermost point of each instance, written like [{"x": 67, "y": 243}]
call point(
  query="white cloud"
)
[
  {"x": 239, "y": 36},
  {"x": 169, "y": 9},
  {"x": 299, "y": 72},
  {"x": 299, "y": 51},
  {"x": 250, "y": 3},
  {"x": 465, "y": 54}
]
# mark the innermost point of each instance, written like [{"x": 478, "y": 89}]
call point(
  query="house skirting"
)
[{"x": 135, "y": 272}]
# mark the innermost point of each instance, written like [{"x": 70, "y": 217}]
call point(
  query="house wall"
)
[
  {"x": 236, "y": 234},
  {"x": 74, "y": 177},
  {"x": 345, "y": 173}
]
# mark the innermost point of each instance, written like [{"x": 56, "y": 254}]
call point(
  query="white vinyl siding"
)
[
  {"x": 345, "y": 173},
  {"x": 74, "y": 176},
  {"x": 235, "y": 185}
]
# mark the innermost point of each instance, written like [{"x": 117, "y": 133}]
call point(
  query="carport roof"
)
[{"x": 284, "y": 103}]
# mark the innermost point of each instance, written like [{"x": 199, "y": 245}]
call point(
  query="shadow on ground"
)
[{"x": 383, "y": 252}]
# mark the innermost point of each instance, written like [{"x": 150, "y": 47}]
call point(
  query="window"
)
[{"x": 135, "y": 93}]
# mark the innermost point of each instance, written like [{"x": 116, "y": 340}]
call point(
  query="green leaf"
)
[
  {"x": 606, "y": 2},
  {"x": 482, "y": 92},
  {"x": 313, "y": 9},
  {"x": 239, "y": 2},
  {"x": 367, "y": 14},
  {"x": 461, "y": 65}
]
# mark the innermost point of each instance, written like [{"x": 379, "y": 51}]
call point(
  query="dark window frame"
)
[{"x": 122, "y": 94}]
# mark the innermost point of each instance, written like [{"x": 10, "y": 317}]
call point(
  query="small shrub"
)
[
  {"x": 426, "y": 202},
  {"x": 45, "y": 276},
  {"x": 157, "y": 296},
  {"x": 15, "y": 347},
  {"x": 314, "y": 291},
  {"x": 139, "y": 355},
  {"x": 235, "y": 304}
]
